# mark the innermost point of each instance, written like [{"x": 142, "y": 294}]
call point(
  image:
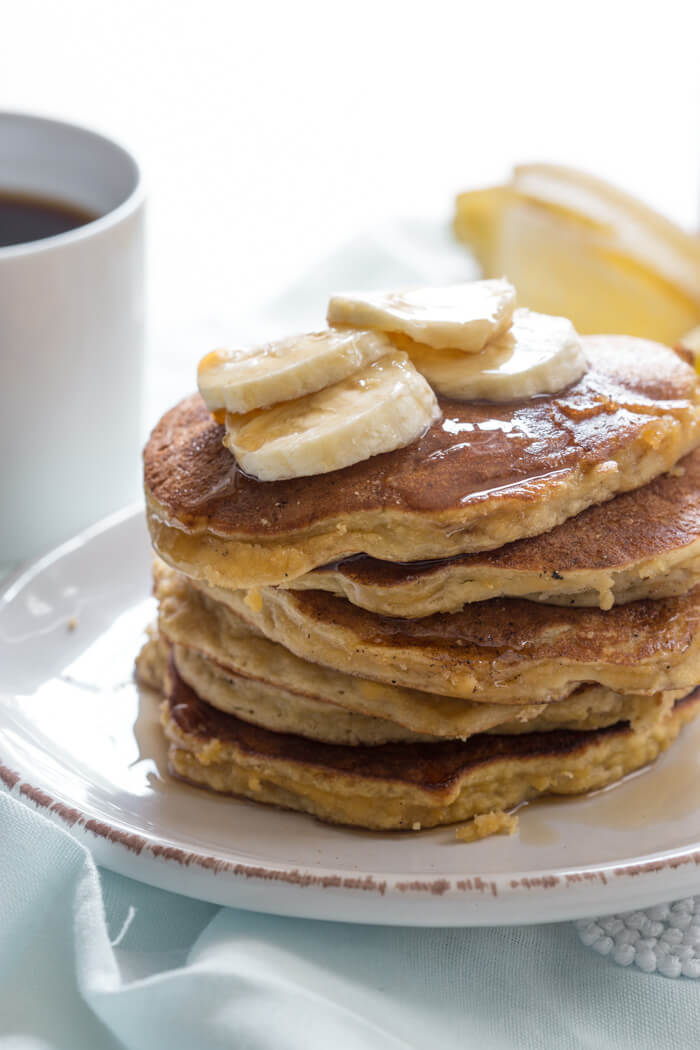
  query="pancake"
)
[
  {"x": 188, "y": 617},
  {"x": 276, "y": 708},
  {"x": 483, "y": 476},
  {"x": 401, "y": 786},
  {"x": 240, "y": 672},
  {"x": 642, "y": 544},
  {"x": 151, "y": 663},
  {"x": 506, "y": 650}
]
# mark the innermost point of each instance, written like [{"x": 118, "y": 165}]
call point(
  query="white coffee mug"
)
[{"x": 71, "y": 337}]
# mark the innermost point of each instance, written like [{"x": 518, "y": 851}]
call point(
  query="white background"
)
[{"x": 270, "y": 132}]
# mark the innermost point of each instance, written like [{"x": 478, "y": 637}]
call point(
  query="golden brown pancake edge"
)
[
  {"x": 483, "y": 476},
  {"x": 506, "y": 650},
  {"x": 240, "y": 661},
  {"x": 399, "y": 786},
  {"x": 641, "y": 544}
]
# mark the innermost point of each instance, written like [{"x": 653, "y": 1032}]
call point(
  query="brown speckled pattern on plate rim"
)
[{"x": 138, "y": 845}]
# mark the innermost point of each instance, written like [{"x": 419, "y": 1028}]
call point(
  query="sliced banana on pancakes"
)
[
  {"x": 539, "y": 354},
  {"x": 242, "y": 380},
  {"x": 381, "y": 407},
  {"x": 456, "y": 317},
  {"x": 319, "y": 402}
]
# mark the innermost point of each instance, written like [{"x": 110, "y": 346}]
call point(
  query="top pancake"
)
[
  {"x": 642, "y": 544},
  {"x": 484, "y": 475}
]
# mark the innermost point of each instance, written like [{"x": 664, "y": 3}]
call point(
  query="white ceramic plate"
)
[{"x": 79, "y": 742}]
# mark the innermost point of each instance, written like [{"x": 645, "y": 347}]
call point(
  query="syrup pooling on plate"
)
[{"x": 664, "y": 794}]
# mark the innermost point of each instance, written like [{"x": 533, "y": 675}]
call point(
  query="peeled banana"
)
[{"x": 575, "y": 246}]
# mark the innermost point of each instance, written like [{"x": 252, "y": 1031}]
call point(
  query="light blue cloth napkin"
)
[{"x": 93, "y": 961}]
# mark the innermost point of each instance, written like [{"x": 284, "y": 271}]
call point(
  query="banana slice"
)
[
  {"x": 384, "y": 406},
  {"x": 459, "y": 317},
  {"x": 574, "y": 245},
  {"x": 539, "y": 355},
  {"x": 242, "y": 380}
]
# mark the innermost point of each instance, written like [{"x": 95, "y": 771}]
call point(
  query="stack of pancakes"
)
[{"x": 505, "y": 608}]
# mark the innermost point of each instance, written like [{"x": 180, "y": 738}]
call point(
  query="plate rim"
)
[{"x": 572, "y": 892}]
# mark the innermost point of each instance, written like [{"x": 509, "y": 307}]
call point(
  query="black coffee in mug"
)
[{"x": 24, "y": 218}]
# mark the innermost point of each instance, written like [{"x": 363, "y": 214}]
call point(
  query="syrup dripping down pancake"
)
[
  {"x": 483, "y": 476},
  {"x": 642, "y": 544}
]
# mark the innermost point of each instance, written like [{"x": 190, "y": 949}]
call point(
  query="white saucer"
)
[{"x": 79, "y": 742}]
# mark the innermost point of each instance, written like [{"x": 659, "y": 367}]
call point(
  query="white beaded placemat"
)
[{"x": 664, "y": 939}]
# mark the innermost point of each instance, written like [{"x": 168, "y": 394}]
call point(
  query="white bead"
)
[
  {"x": 659, "y": 912},
  {"x": 665, "y": 938},
  {"x": 646, "y": 960},
  {"x": 635, "y": 920},
  {"x": 591, "y": 934},
  {"x": 628, "y": 937},
  {"x": 624, "y": 954},
  {"x": 691, "y": 968},
  {"x": 682, "y": 952},
  {"x": 670, "y": 967}
]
